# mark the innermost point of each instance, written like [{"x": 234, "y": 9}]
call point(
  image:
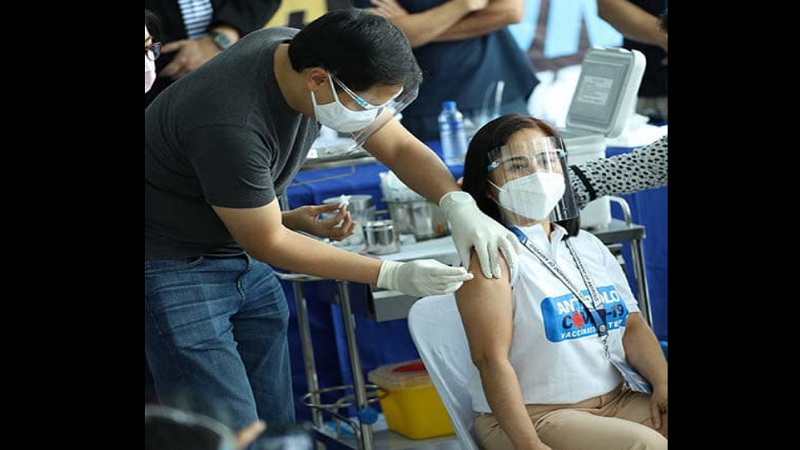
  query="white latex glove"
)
[
  {"x": 474, "y": 229},
  {"x": 422, "y": 278}
]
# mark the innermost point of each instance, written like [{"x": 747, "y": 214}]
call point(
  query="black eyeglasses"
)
[{"x": 153, "y": 51}]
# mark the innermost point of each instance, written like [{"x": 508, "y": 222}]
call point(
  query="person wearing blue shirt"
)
[{"x": 464, "y": 48}]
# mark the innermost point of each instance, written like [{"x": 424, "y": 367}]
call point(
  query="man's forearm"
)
[
  {"x": 498, "y": 15},
  {"x": 290, "y": 220},
  {"x": 296, "y": 253},
  {"x": 423, "y": 171},
  {"x": 412, "y": 161}
]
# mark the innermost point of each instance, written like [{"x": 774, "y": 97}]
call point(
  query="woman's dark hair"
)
[
  {"x": 491, "y": 137},
  {"x": 360, "y": 48},
  {"x": 665, "y": 22}
]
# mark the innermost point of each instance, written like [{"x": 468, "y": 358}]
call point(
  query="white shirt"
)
[{"x": 556, "y": 352}]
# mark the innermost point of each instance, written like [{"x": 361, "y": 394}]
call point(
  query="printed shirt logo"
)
[{"x": 566, "y": 319}]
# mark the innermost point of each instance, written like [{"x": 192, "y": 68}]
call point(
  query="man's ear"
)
[{"x": 316, "y": 78}]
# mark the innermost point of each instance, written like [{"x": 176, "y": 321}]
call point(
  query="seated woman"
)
[{"x": 556, "y": 370}]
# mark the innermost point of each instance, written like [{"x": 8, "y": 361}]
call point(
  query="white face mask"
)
[
  {"x": 149, "y": 74},
  {"x": 534, "y": 196},
  {"x": 338, "y": 117}
]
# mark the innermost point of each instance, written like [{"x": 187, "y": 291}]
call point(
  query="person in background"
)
[
  {"x": 194, "y": 31},
  {"x": 638, "y": 21},
  {"x": 152, "y": 50},
  {"x": 464, "y": 48}
]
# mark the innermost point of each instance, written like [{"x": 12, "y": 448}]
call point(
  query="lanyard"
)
[{"x": 597, "y": 309}]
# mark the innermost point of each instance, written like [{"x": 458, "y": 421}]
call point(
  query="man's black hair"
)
[{"x": 362, "y": 49}]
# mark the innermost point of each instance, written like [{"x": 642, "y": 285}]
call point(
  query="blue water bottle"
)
[{"x": 451, "y": 131}]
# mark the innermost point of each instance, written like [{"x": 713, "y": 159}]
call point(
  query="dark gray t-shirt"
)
[{"x": 222, "y": 136}]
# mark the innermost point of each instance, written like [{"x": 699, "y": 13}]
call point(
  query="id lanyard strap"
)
[{"x": 597, "y": 310}]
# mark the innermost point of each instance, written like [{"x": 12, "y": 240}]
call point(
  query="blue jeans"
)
[{"x": 217, "y": 328}]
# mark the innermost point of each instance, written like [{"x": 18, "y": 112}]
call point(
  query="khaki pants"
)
[{"x": 620, "y": 420}]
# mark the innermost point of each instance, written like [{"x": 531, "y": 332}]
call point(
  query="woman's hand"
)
[{"x": 660, "y": 410}]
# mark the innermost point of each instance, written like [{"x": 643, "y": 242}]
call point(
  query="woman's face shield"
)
[{"x": 531, "y": 178}]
